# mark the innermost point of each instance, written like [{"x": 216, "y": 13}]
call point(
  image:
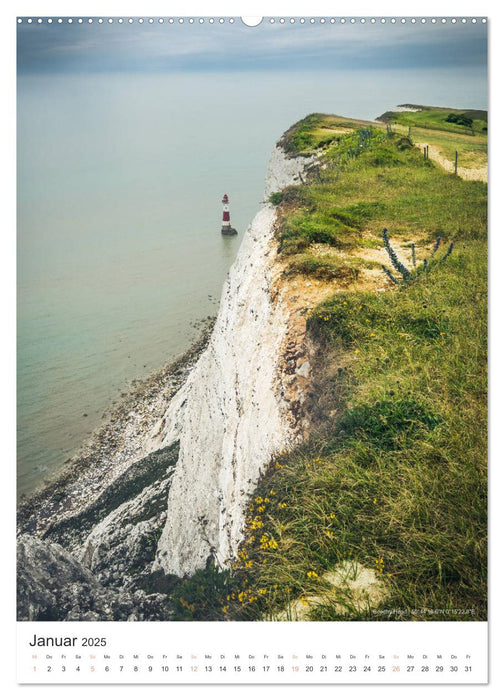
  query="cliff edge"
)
[
  {"x": 321, "y": 454},
  {"x": 231, "y": 416}
]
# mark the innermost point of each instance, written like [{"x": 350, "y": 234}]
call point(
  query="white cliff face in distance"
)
[{"x": 229, "y": 416}]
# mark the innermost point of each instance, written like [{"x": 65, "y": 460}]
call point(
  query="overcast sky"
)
[{"x": 91, "y": 48}]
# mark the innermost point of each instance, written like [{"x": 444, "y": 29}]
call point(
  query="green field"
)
[
  {"x": 430, "y": 125},
  {"x": 459, "y": 121}
]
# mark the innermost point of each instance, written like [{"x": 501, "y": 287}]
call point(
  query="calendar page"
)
[{"x": 252, "y": 349}]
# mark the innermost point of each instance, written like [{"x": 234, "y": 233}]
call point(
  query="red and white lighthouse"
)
[{"x": 226, "y": 219}]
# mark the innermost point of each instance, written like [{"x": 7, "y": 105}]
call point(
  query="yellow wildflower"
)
[{"x": 256, "y": 524}]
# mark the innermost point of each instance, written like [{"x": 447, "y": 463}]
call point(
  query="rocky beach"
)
[{"x": 162, "y": 485}]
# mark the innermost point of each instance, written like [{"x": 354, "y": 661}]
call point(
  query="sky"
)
[{"x": 181, "y": 47}]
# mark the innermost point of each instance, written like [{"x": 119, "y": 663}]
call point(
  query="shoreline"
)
[{"x": 114, "y": 445}]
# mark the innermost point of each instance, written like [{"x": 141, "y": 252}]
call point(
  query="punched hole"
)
[{"x": 251, "y": 21}]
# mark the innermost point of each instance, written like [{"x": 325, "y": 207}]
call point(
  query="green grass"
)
[
  {"x": 436, "y": 118},
  {"x": 386, "y": 186},
  {"x": 472, "y": 150},
  {"x": 397, "y": 466},
  {"x": 393, "y": 475},
  {"x": 338, "y": 226},
  {"x": 323, "y": 267},
  {"x": 201, "y": 596},
  {"x": 317, "y": 131},
  {"x": 430, "y": 126}
]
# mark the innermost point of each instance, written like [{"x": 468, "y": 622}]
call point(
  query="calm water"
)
[{"x": 120, "y": 179}]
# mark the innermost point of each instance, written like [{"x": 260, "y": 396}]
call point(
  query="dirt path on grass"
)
[{"x": 449, "y": 165}]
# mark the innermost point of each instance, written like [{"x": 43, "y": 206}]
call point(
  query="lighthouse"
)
[{"x": 226, "y": 229}]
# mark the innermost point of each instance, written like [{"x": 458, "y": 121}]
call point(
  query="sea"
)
[{"x": 120, "y": 254}]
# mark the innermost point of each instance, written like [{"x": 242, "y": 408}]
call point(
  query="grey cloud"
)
[{"x": 124, "y": 47}]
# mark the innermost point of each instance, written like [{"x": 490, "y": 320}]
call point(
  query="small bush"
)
[
  {"x": 202, "y": 596},
  {"x": 323, "y": 267},
  {"x": 275, "y": 198},
  {"x": 459, "y": 119},
  {"x": 404, "y": 144}
]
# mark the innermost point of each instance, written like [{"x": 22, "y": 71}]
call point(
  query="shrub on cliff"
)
[
  {"x": 201, "y": 596},
  {"x": 323, "y": 267},
  {"x": 275, "y": 198}
]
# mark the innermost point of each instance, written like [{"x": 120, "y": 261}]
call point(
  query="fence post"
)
[
  {"x": 456, "y": 161},
  {"x": 427, "y": 152}
]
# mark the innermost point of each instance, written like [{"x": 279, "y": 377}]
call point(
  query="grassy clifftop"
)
[
  {"x": 446, "y": 130},
  {"x": 459, "y": 121},
  {"x": 380, "y": 513}
]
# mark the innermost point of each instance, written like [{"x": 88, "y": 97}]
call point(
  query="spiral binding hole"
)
[{"x": 254, "y": 21}]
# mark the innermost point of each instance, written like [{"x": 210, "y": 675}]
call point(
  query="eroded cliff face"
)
[
  {"x": 231, "y": 416},
  {"x": 170, "y": 487}
]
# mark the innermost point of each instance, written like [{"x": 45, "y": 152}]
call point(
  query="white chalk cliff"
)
[{"x": 229, "y": 416}]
